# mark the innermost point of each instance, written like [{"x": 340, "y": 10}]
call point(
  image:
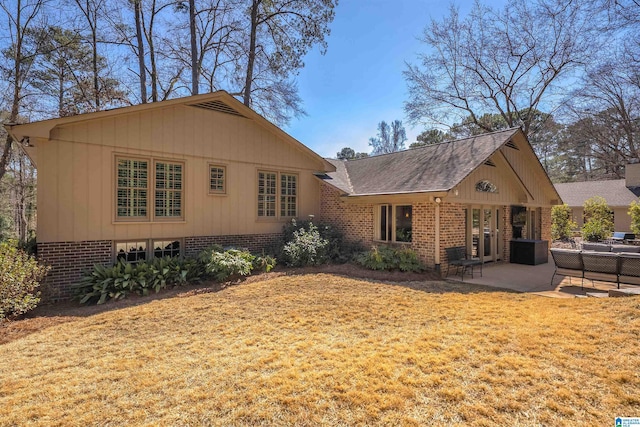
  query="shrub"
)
[
  {"x": 264, "y": 263},
  {"x": 561, "y": 223},
  {"x": 306, "y": 247},
  {"x": 634, "y": 213},
  {"x": 598, "y": 219},
  {"x": 230, "y": 263},
  {"x": 20, "y": 277},
  {"x": 104, "y": 283},
  {"x": 337, "y": 250},
  {"x": 389, "y": 258}
]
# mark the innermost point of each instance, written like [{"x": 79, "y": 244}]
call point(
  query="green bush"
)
[
  {"x": 306, "y": 247},
  {"x": 337, "y": 250},
  {"x": 230, "y": 263},
  {"x": 389, "y": 258},
  {"x": 562, "y": 225},
  {"x": 598, "y": 220},
  {"x": 20, "y": 277},
  {"x": 634, "y": 213},
  {"x": 264, "y": 263},
  {"x": 104, "y": 283}
]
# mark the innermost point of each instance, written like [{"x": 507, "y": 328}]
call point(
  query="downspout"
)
[{"x": 437, "y": 200}]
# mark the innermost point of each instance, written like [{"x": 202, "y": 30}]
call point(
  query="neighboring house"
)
[
  {"x": 171, "y": 178},
  {"x": 619, "y": 193}
]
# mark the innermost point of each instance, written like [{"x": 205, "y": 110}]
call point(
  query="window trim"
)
[
  {"x": 150, "y": 250},
  {"x": 114, "y": 182},
  {"x": 222, "y": 192},
  {"x": 182, "y": 191},
  {"x": 151, "y": 190},
  {"x": 278, "y": 201},
  {"x": 377, "y": 218}
]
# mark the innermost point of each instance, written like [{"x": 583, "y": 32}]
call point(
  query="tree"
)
[
  {"x": 429, "y": 137},
  {"x": 562, "y": 225},
  {"x": 505, "y": 62},
  {"x": 389, "y": 139},
  {"x": 278, "y": 35},
  {"x": 350, "y": 154},
  {"x": 634, "y": 213},
  {"x": 598, "y": 219},
  {"x": 21, "y": 17},
  {"x": 64, "y": 64}
]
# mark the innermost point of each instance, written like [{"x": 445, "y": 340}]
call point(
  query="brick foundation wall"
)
[
  {"x": 423, "y": 232},
  {"x": 354, "y": 220},
  {"x": 68, "y": 262},
  {"x": 253, "y": 242}
]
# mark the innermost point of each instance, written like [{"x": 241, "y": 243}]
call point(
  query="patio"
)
[{"x": 534, "y": 279}]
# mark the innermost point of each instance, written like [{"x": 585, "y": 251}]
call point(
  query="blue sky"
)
[{"x": 359, "y": 82}]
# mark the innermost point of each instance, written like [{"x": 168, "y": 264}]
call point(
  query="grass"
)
[{"x": 322, "y": 349}]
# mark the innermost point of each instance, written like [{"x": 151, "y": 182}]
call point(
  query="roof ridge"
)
[{"x": 437, "y": 143}]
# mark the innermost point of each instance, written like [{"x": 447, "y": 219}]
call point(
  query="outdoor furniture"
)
[
  {"x": 621, "y": 236},
  {"x": 530, "y": 252},
  {"x": 568, "y": 260},
  {"x": 605, "y": 265},
  {"x": 457, "y": 256},
  {"x": 606, "y": 247}
]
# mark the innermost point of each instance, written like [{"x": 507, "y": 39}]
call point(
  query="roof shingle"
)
[
  {"x": 614, "y": 192},
  {"x": 438, "y": 167}
]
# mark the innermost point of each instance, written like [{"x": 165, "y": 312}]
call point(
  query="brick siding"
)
[
  {"x": 70, "y": 260},
  {"x": 354, "y": 220},
  {"x": 253, "y": 242}
]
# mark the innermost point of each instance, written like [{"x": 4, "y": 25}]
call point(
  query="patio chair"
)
[{"x": 457, "y": 256}]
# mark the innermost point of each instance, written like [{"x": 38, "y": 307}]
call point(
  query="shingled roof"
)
[
  {"x": 615, "y": 192},
  {"x": 432, "y": 168}
]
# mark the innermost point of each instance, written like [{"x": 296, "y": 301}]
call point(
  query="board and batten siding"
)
[
  {"x": 76, "y": 185},
  {"x": 508, "y": 193}
]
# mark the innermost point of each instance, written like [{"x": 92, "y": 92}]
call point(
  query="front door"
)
[{"x": 483, "y": 235}]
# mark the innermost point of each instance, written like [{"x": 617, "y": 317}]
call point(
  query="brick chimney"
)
[{"x": 632, "y": 175}]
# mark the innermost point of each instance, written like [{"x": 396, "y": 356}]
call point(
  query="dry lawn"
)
[{"x": 322, "y": 349}]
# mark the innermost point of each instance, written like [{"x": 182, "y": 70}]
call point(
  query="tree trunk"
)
[
  {"x": 252, "y": 53},
  {"x": 143, "y": 72},
  {"x": 152, "y": 56},
  {"x": 94, "y": 54},
  {"x": 195, "y": 69}
]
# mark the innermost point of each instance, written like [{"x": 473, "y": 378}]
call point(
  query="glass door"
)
[{"x": 485, "y": 241}]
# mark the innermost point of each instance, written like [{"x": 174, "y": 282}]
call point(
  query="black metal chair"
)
[{"x": 457, "y": 256}]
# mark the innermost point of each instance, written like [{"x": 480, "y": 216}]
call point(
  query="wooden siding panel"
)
[
  {"x": 507, "y": 193},
  {"x": 77, "y": 184}
]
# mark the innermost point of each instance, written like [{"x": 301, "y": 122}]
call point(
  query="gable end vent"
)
[
  {"x": 490, "y": 163},
  {"x": 218, "y": 106},
  {"x": 510, "y": 144}
]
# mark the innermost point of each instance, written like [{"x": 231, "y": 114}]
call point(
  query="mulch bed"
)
[{"x": 48, "y": 315}]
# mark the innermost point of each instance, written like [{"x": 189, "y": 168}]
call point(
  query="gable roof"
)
[
  {"x": 220, "y": 101},
  {"x": 432, "y": 168},
  {"x": 615, "y": 192}
]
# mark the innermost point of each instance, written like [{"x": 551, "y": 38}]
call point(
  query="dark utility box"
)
[{"x": 530, "y": 252}]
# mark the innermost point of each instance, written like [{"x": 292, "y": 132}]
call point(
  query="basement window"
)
[{"x": 132, "y": 252}]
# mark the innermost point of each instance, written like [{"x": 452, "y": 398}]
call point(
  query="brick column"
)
[{"x": 507, "y": 233}]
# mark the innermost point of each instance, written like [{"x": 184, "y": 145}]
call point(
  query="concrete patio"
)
[{"x": 535, "y": 279}]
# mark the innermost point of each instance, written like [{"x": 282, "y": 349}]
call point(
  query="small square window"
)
[
  {"x": 217, "y": 179},
  {"x": 166, "y": 248},
  {"x": 131, "y": 252}
]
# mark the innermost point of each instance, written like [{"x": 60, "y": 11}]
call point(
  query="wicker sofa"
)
[{"x": 610, "y": 266}]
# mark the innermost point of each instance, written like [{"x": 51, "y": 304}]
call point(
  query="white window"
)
[
  {"x": 168, "y": 194},
  {"x": 217, "y": 179},
  {"x": 272, "y": 184},
  {"x": 132, "y": 188},
  {"x": 141, "y": 250},
  {"x": 394, "y": 223},
  {"x": 133, "y": 194}
]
